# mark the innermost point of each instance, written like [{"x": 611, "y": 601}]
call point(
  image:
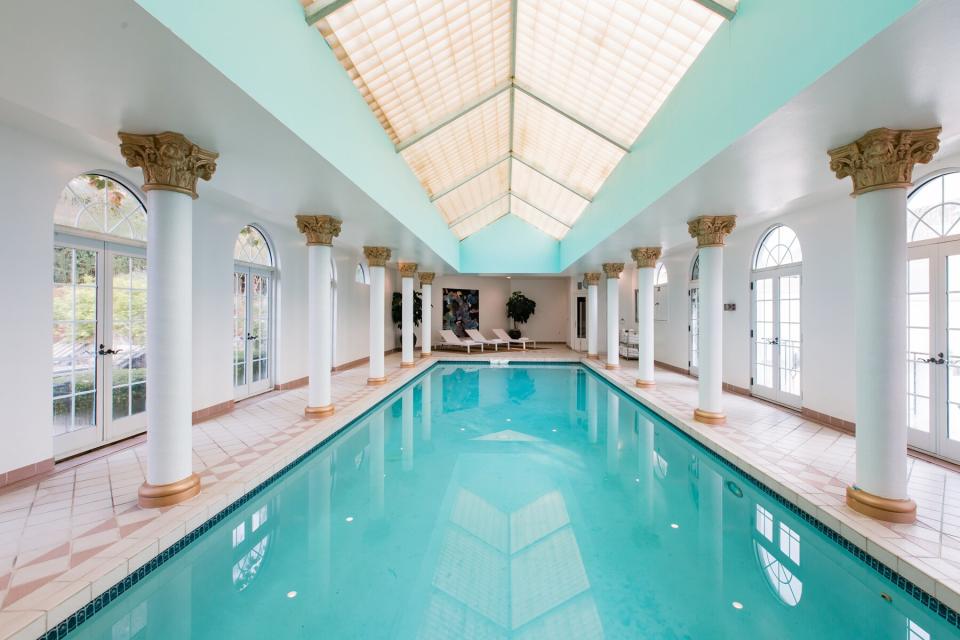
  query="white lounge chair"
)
[
  {"x": 496, "y": 342},
  {"x": 450, "y": 339},
  {"x": 503, "y": 335}
]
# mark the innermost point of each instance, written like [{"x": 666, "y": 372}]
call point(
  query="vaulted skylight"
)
[{"x": 519, "y": 107}]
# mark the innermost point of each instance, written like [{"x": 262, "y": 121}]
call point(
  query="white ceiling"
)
[
  {"x": 904, "y": 78},
  {"x": 85, "y": 70}
]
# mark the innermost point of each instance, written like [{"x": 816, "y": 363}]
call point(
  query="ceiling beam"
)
[
  {"x": 470, "y": 214},
  {"x": 717, "y": 8},
  {"x": 320, "y": 9},
  {"x": 570, "y": 117},
  {"x": 529, "y": 204},
  {"x": 551, "y": 179},
  {"x": 462, "y": 111},
  {"x": 473, "y": 175}
]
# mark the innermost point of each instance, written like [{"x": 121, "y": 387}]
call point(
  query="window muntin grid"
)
[
  {"x": 463, "y": 147},
  {"x": 537, "y": 218},
  {"x": 475, "y": 193},
  {"x": 609, "y": 64},
  {"x": 417, "y": 62},
  {"x": 779, "y": 247},
  {"x": 101, "y": 204},
  {"x": 661, "y": 277},
  {"x": 252, "y": 247},
  {"x": 487, "y": 215},
  {"x": 545, "y": 194},
  {"x": 933, "y": 209}
]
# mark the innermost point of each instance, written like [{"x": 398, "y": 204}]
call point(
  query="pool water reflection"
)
[{"x": 513, "y": 502}]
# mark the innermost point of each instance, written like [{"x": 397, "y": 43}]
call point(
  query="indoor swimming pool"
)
[{"x": 522, "y": 501}]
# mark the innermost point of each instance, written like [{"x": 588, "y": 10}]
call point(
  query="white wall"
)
[{"x": 494, "y": 291}]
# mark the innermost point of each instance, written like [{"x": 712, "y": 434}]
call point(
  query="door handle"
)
[
  {"x": 251, "y": 337},
  {"x": 931, "y": 360},
  {"x": 107, "y": 352}
]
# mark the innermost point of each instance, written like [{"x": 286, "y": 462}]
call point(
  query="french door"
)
[
  {"x": 933, "y": 348},
  {"x": 693, "y": 330},
  {"x": 775, "y": 336},
  {"x": 99, "y": 379},
  {"x": 580, "y": 338},
  {"x": 252, "y": 331}
]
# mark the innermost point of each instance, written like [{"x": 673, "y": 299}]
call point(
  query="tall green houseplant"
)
[
  {"x": 519, "y": 309},
  {"x": 396, "y": 311}
]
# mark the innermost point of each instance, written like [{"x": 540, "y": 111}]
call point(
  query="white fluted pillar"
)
[
  {"x": 377, "y": 259},
  {"x": 710, "y": 232},
  {"x": 593, "y": 314},
  {"x": 426, "y": 322},
  {"x": 320, "y": 232},
  {"x": 171, "y": 165},
  {"x": 407, "y": 271},
  {"x": 613, "y": 271},
  {"x": 881, "y": 165},
  {"x": 646, "y": 259}
]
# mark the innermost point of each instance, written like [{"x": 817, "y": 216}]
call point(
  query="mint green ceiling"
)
[{"x": 755, "y": 64}]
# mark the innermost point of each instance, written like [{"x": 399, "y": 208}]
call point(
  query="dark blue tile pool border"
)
[{"x": 98, "y": 603}]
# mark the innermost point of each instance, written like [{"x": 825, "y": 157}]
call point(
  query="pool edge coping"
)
[{"x": 72, "y": 601}]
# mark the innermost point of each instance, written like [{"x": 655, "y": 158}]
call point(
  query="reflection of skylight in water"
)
[
  {"x": 765, "y": 523},
  {"x": 537, "y": 519},
  {"x": 660, "y": 465},
  {"x": 790, "y": 543},
  {"x": 246, "y": 569},
  {"x": 787, "y": 586},
  {"x": 258, "y": 518},
  {"x": 916, "y": 631},
  {"x": 239, "y": 533}
]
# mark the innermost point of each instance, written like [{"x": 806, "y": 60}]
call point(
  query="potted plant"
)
[
  {"x": 519, "y": 309},
  {"x": 396, "y": 312}
]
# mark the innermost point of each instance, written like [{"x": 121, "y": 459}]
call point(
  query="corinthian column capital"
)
[
  {"x": 319, "y": 229},
  {"x": 711, "y": 231},
  {"x": 591, "y": 278},
  {"x": 645, "y": 257},
  {"x": 407, "y": 269},
  {"x": 613, "y": 269},
  {"x": 377, "y": 256},
  {"x": 884, "y": 158},
  {"x": 170, "y": 162},
  {"x": 426, "y": 277}
]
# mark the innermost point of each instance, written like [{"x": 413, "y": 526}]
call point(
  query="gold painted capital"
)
[
  {"x": 377, "y": 256},
  {"x": 591, "y": 278},
  {"x": 426, "y": 277},
  {"x": 319, "y": 229},
  {"x": 646, "y": 257},
  {"x": 613, "y": 269},
  {"x": 884, "y": 158},
  {"x": 408, "y": 269},
  {"x": 170, "y": 162},
  {"x": 711, "y": 231}
]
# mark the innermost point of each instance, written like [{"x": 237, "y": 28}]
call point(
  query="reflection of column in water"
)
[
  {"x": 407, "y": 435},
  {"x": 592, "y": 410},
  {"x": 376, "y": 465},
  {"x": 613, "y": 432},
  {"x": 645, "y": 481},
  {"x": 318, "y": 526},
  {"x": 711, "y": 541},
  {"x": 426, "y": 406}
]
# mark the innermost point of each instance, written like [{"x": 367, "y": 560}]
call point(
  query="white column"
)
[
  {"x": 426, "y": 328},
  {"x": 376, "y": 258},
  {"x": 171, "y": 165},
  {"x": 646, "y": 258},
  {"x": 613, "y": 270},
  {"x": 320, "y": 232},
  {"x": 407, "y": 271},
  {"x": 710, "y": 232},
  {"x": 406, "y": 428},
  {"x": 881, "y": 165},
  {"x": 593, "y": 314}
]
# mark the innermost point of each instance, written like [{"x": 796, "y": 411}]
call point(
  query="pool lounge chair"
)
[
  {"x": 450, "y": 339},
  {"x": 496, "y": 342},
  {"x": 503, "y": 335}
]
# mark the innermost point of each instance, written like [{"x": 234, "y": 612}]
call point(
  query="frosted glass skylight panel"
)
[
  {"x": 560, "y": 147},
  {"x": 609, "y": 64},
  {"x": 416, "y": 62},
  {"x": 537, "y": 218},
  {"x": 474, "y": 194},
  {"x": 545, "y": 194},
  {"x": 465, "y": 146},
  {"x": 478, "y": 220}
]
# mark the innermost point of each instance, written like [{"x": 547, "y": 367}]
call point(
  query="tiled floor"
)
[{"x": 52, "y": 525}]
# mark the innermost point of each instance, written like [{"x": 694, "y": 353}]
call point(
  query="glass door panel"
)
[
  {"x": 252, "y": 331},
  {"x": 788, "y": 338},
  {"x": 125, "y": 350},
  {"x": 240, "y": 333},
  {"x": 777, "y": 337},
  {"x": 920, "y": 347},
  {"x": 950, "y": 435},
  {"x": 694, "y": 331},
  {"x": 764, "y": 347}
]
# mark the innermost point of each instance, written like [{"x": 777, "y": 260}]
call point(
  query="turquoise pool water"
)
[{"x": 529, "y": 502}]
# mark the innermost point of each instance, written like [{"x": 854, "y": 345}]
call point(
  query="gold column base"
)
[
  {"x": 608, "y": 366},
  {"x": 318, "y": 412},
  {"x": 593, "y": 356},
  {"x": 152, "y": 496},
  {"x": 426, "y": 354},
  {"x": 646, "y": 384},
  {"x": 407, "y": 365},
  {"x": 886, "y": 509},
  {"x": 709, "y": 417},
  {"x": 376, "y": 381}
]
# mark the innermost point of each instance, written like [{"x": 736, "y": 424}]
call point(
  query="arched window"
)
[
  {"x": 99, "y": 381},
  {"x": 102, "y": 205},
  {"x": 660, "y": 278},
  {"x": 253, "y": 298},
  {"x": 660, "y": 305},
  {"x": 361, "y": 275},
  {"x": 778, "y": 565},
  {"x": 695, "y": 268},
  {"x": 933, "y": 209},
  {"x": 776, "y": 316},
  {"x": 778, "y": 247}
]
